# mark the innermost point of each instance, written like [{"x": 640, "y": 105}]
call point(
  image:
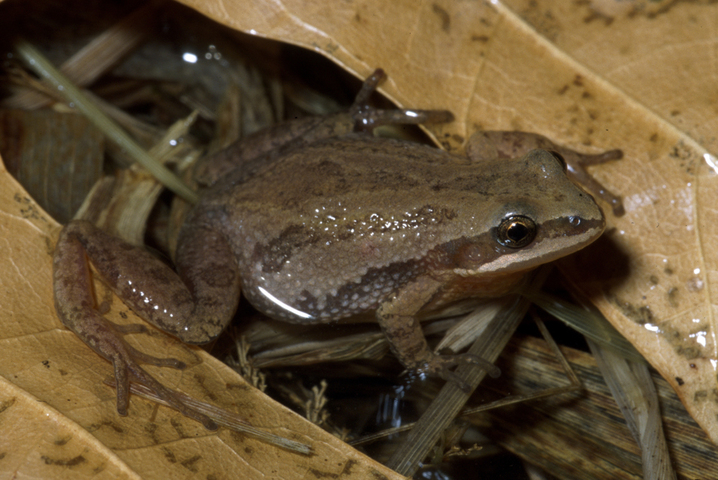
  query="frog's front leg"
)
[
  {"x": 366, "y": 118},
  {"x": 489, "y": 145},
  {"x": 255, "y": 151},
  {"x": 148, "y": 287},
  {"x": 259, "y": 149},
  {"x": 397, "y": 318}
]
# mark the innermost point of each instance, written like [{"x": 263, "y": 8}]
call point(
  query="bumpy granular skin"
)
[
  {"x": 317, "y": 224},
  {"x": 349, "y": 222}
]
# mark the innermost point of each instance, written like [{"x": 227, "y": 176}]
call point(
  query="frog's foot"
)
[
  {"x": 367, "y": 118},
  {"x": 126, "y": 359},
  {"x": 441, "y": 365},
  {"x": 76, "y": 307},
  {"x": 576, "y": 164}
]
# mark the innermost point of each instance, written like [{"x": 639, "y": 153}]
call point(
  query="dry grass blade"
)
[
  {"x": 583, "y": 434},
  {"x": 351, "y": 347},
  {"x": 574, "y": 385},
  {"x": 97, "y": 57},
  {"x": 449, "y": 402},
  {"x": 144, "y": 132},
  {"x": 460, "y": 335},
  {"x": 122, "y": 204},
  {"x": 588, "y": 321},
  {"x": 308, "y": 99},
  {"x": 45, "y": 69},
  {"x": 633, "y": 389},
  {"x": 228, "y": 116},
  {"x": 626, "y": 374}
]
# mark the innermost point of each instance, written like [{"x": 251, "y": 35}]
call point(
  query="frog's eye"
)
[
  {"x": 516, "y": 231},
  {"x": 560, "y": 159}
]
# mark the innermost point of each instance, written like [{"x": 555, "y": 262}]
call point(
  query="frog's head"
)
[{"x": 536, "y": 215}]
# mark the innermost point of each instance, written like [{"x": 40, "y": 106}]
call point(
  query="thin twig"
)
[{"x": 38, "y": 63}]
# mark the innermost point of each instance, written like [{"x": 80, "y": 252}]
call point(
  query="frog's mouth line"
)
[{"x": 554, "y": 240}]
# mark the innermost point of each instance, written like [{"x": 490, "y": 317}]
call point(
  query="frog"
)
[{"x": 318, "y": 221}]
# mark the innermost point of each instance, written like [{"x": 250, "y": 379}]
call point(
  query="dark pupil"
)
[{"x": 517, "y": 232}]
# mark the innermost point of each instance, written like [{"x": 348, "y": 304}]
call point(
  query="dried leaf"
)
[
  {"x": 451, "y": 399},
  {"x": 594, "y": 75},
  {"x": 57, "y": 156},
  {"x": 50, "y": 379},
  {"x": 583, "y": 435},
  {"x": 634, "y": 391},
  {"x": 590, "y": 75}
]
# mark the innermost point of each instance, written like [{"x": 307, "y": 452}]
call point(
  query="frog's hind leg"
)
[
  {"x": 116, "y": 261},
  {"x": 126, "y": 371},
  {"x": 259, "y": 150},
  {"x": 125, "y": 361},
  {"x": 367, "y": 118}
]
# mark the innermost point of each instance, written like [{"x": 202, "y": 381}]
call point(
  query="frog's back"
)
[{"x": 330, "y": 231}]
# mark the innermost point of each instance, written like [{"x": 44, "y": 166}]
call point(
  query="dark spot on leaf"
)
[
  {"x": 673, "y": 296},
  {"x": 443, "y": 16},
  {"x": 64, "y": 463}
]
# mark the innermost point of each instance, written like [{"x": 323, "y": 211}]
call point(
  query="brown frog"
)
[{"x": 316, "y": 221}]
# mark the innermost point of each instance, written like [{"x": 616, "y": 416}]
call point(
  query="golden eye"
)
[{"x": 516, "y": 231}]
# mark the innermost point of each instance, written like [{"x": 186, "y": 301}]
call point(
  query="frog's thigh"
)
[
  {"x": 397, "y": 318},
  {"x": 143, "y": 282},
  {"x": 209, "y": 268}
]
